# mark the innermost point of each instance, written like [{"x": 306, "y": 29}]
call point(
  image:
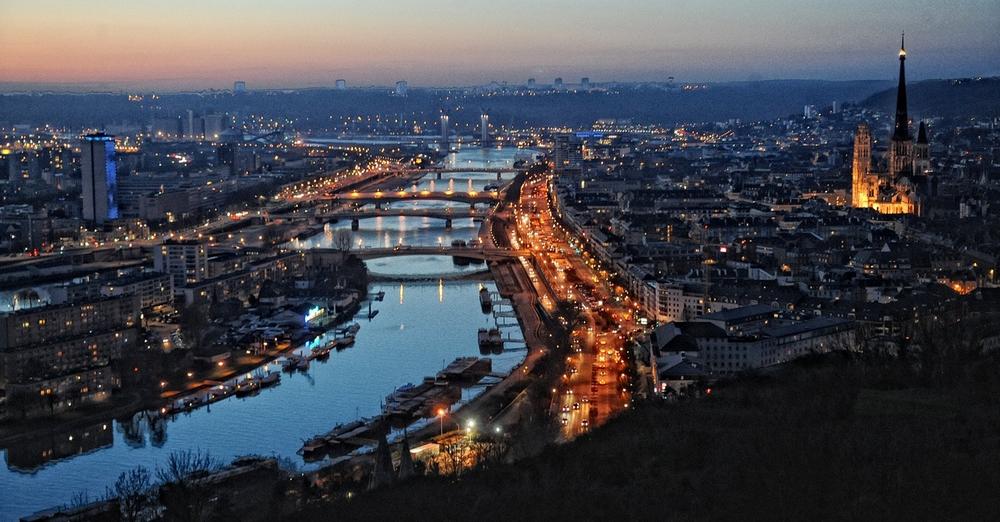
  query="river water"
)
[{"x": 420, "y": 328}]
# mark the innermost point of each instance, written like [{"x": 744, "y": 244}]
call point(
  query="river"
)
[{"x": 419, "y": 329}]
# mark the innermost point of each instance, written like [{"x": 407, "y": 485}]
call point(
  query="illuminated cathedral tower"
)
[
  {"x": 861, "y": 169},
  {"x": 903, "y": 186}
]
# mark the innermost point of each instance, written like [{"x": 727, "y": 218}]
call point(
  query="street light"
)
[{"x": 440, "y": 416}]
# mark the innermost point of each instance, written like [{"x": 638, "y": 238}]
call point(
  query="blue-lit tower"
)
[{"x": 98, "y": 175}]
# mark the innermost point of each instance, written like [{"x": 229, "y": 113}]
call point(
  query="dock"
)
[{"x": 464, "y": 369}]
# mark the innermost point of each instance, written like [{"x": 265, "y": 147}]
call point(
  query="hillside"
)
[
  {"x": 841, "y": 441},
  {"x": 316, "y": 108},
  {"x": 945, "y": 98}
]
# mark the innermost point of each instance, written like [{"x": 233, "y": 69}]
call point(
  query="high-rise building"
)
[
  {"x": 902, "y": 188},
  {"x": 566, "y": 153},
  {"x": 239, "y": 87},
  {"x": 531, "y": 83},
  {"x": 585, "y": 84},
  {"x": 484, "y": 128},
  {"x": 402, "y": 88},
  {"x": 341, "y": 85},
  {"x": 185, "y": 260},
  {"x": 444, "y": 131},
  {"x": 213, "y": 124},
  {"x": 558, "y": 84},
  {"x": 98, "y": 173},
  {"x": 192, "y": 126}
]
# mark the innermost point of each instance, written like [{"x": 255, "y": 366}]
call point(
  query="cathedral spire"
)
[{"x": 902, "y": 129}]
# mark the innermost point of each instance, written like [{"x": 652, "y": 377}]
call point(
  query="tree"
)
[
  {"x": 181, "y": 494},
  {"x": 342, "y": 240},
  {"x": 134, "y": 492},
  {"x": 194, "y": 323}
]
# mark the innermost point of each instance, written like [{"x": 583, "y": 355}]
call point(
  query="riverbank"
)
[{"x": 130, "y": 403}]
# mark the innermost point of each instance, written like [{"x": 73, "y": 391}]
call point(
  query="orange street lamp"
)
[{"x": 440, "y": 415}]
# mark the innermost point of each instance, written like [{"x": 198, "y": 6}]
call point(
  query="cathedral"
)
[{"x": 901, "y": 184}]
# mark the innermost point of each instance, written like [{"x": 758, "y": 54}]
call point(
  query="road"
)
[{"x": 595, "y": 384}]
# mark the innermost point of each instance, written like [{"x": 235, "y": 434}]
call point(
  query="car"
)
[
  {"x": 585, "y": 423},
  {"x": 585, "y": 400},
  {"x": 576, "y": 405},
  {"x": 565, "y": 421},
  {"x": 565, "y": 409}
]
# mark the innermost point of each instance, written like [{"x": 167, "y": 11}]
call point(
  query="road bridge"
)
[
  {"x": 374, "y": 198},
  {"x": 486, "y": 254},
  {"x": 355, "y": 215},
  {"x": 438, "y": 171}
]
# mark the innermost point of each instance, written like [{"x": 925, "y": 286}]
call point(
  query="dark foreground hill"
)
[
  {"x": 843, "y": 441},
  {"x": 961, "y": 98}
]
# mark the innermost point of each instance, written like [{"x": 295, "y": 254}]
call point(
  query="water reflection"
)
[{"x": 29, "y": 455}]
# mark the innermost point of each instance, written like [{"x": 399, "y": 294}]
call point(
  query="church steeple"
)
[{"x": 902, "y": 129}]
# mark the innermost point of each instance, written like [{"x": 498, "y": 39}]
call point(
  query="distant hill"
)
[
  {"x": 945, "y": 98},
  {"x": 657, "y": 103}
]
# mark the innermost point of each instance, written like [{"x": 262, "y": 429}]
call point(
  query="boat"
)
[
  {"x": 321, "y": 352},
  {"x": 247, "y": 387},
  {"x": 490, "y": 341},
  {"x": 342, "y": 342},
  {"x": 485, "y": 301},
  {"x": 295, "y": 362},
  {"x": 321, "y": 445},
  {"x": 272, "y": 378}
]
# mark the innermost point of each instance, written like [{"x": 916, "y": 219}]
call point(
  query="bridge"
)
[
  {"x": 447, "y": 214},
  {"x": 486, "y": 254},
  {"x": 363, "y": 198},
  {"x": 438, "y": 171}
]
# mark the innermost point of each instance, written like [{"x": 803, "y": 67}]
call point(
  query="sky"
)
[{"x": 183, "y": 44}]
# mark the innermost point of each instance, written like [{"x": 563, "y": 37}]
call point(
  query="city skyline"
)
[{"x": 440, "y": 43}]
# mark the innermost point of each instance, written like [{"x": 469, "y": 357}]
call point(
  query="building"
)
[
  {"x": 558, "y": 84},
  {"x": 585, "y": 84},
  {"x": 186, "y": 261},
  {"x": 402, "y": 88},
  {"x": 724, "y": 353},
  {"x": 214, "y": 125},
  {"x": 151, "y": 288},
  {"x": 341, "y": 85},
  {"x": 99, "y": 177},
  {"x": 484, "y": 129},
  {"x": 239, "y": 87},
  {"x": 444, "y": 131},
  {"x": 904, "y": 184},
  {"x": 566, "y": 153},
  {"x": 58, "y": 356}
]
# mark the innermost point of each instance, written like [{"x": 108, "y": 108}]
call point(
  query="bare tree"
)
[
  {"x": 134, "y": 492},
  {"x": 181, "y": 493},
  {"x": 342, "y": 240}
]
